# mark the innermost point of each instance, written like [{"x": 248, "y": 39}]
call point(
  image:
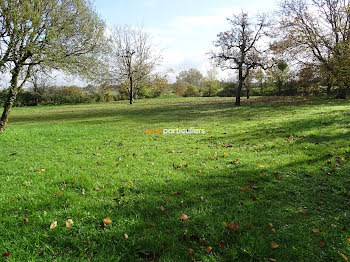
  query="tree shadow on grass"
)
[
  {"x": 257, "y": 196},
  {"x": 146, "y": 113}
]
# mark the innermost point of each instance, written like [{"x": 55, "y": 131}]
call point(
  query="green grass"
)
[{"x": 260, "y": 163}]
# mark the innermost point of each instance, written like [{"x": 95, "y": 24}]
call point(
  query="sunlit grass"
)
[{"x": 285, "y": 164}]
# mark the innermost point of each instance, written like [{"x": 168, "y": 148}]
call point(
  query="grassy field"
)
[{"x": 278, "y": 168}]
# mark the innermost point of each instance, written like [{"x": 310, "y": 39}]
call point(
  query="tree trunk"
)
[
  {"x": 10, "y": 100},
  {"x": 248, "y": 93},
  {"x": 341, "y": 93},
  {"x": 240, "y": 85},
  {"x": 329, "y": 86},
  {"x": 131, "y": 91}
]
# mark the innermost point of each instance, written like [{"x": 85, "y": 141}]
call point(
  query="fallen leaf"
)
[
  {"x": 234, "y": 226},
  {"x": 69, "y": 223},
  {"x": 58, "y": 193},
  {"x": 25, "y": 220},
  {"x": 224, "y": 224},
  {"x": 270, "y": 224},
  {"x": 320, "y": 202},
  {"x": 190, "y": 251},
  {"x": 273, "y": 245},
  {"x": 221, "y": 243},
  {"x": 184, "y": 217},
  {"x": 96, "y": 189},
  {"x": 209, "y": 248},
  {"x": 271, "y": 259},
  {"x": 244, "y": 189},
  {"x": 321, "y": 243},
  {"x": 348, "y": 239},
  {"x": 304, "y": 212},
  {"x": 249, "y": 224},
  {"x": 225, "y": 154},
  {"x": 343, "y": 256},
  {"x": 317, "y": 230},
  {"x": 41, "y": 171},
  {"x": 53, "y": 224},
  {"x": 261, "y": 166},
  {"x": 6, "y": 254},
  {"x": 126, "y": 236},
  {"x": 107, "y": 220},
  {"x": 144, "y": 170}
]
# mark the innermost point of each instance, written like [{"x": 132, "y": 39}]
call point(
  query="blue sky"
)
[{"x": 183, "y": 29}]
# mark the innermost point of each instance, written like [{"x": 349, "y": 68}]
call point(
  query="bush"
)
[
  {"x": 228, "y": 90},
  {"x": 191, "y": 91}
]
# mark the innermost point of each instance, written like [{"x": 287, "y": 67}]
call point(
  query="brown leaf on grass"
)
[
  {"x": 164, "y": 209},
  {"x": 96, "y": 163},
  {"x": 234, "y": 226},
  {"x": 304, "y": 212},
  {"x": 249, "y": 224},
  {"x": 190, "y": 251},
  {"x": 53, "y": 224},
  {"x": 221, "y": 243},
  {"x": 107, "y": 220},
  {"x": 321, "y": 243},
  {"x": 271, "y": 259},
  {"x": 6, "y": 254},
  {"x": 183, "y": 217},
  {"x": 209, "y": 249},
  {"x": 25, "y": 220},
  {"x": 177, "y": 167},
  {"x": 343, "y": 256},
  {"x": 58, "y": 193},
  {"x": 224, "y": 224},
  {"x": 273, "y": 245},
  {"x": 168, "y": 231},
  {"x": 69, "y": 223},
  {"x": 244, "y": 189},
  {"x": 96, "y": 189},
  {"x": 348, "y": 239},
  {"x": 320, "y": 202},
  {"x": 317, "y": 230},
  {"x": 41, "y": 170}
]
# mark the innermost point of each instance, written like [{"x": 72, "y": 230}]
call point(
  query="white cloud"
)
[{"x": 150, "y": 3}]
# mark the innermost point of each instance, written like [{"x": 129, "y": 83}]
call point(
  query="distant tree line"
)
[{"x": 304, "y": 50}]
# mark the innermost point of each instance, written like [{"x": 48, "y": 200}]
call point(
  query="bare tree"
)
[
  {"x": 317, "y": 33},
  {"x": 238, "y": 48},
  {"x": 133, "y": 59}
]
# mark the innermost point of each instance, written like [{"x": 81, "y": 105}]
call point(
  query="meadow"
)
[{"x": 268, "y": 181}]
